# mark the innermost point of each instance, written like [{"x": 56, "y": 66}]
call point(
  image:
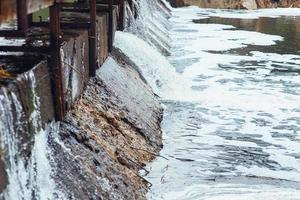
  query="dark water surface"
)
[{"x": 286, "y": 26}]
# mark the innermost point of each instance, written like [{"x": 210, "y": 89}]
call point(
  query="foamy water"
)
[
  {"x": 29, "y": 178},
  {"x": 231, "y": 125}
]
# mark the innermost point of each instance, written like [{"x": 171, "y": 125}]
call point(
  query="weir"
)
[
  {"x": 62, "y": 16},
  {"x": 77, "y": 120}
]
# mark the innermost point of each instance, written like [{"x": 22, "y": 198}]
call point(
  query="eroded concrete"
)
[{"x": 109, "y": 135}]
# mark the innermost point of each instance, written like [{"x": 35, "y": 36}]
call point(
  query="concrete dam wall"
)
[{"x": 112, "y": 125}]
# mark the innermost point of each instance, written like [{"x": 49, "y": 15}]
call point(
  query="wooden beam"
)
[
  {"x": 12, "y": 33},
  {"x": 110, "y": 25},
  {"x": 79, "y": 25},
  {"x": 93, "y": 39},
  {"x": 121, "y": 21},
  {"x": 43, "y": 50},
  {"x": 55, "y": 62},
  {"x": 70, "y": 7},
  {"x": 22, "y": 17}
]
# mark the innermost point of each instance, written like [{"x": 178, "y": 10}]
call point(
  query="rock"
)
[
  {"x": 234, "y": 4},
  {"x": 177, "y": 3},
  {"x": 264, "y": 3},
  {"x": 228, "y": 4},
  {"x": 249, "y": 4}
]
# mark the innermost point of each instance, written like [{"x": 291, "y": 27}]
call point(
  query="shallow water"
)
[{"x": 234, "y": 131}]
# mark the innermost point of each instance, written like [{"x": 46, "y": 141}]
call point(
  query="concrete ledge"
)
[{"x": 108, "y": 136}]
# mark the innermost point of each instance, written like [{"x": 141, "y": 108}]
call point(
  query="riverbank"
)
[{"x": 235, "y": 4}]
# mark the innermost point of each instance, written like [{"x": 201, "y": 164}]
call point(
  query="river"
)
[{"x": 232, "y": 115}]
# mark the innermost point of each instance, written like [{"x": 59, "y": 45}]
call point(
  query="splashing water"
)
[
  {"x": 231, "y": 124},
  {"x": 149, "y": 60},
  {"x": 29, "y": 177}
]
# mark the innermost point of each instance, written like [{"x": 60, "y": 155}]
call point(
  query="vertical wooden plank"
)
[
  {"x": 55, "y": 62},
  {"x": 22, "y": 15},
  {"x": 30, "y": 19},
  {"x": 110, "y": 25},
  {"x": 121, "y": 22},
  {"x": 92, "y": 39}
]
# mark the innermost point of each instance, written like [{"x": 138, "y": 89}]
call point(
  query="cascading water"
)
[
  {"x": 233, "y": 133},
  {"x": 231, "y": 125},
  {"x": 151, "y": 23},
  {"x": 29, "y": 174}
]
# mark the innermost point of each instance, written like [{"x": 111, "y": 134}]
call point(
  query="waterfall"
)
[
  {"x": 206, "y": 135},
  {"x": 151, "y": 23},
  {"x": 146, "y": 42},
  {"x": 28, "y": 160}
]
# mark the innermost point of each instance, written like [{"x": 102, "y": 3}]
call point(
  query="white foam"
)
[
  {"x": 192, "y": 12},
  {"x": 234, "y": 99},
  {"x": 230, "y": 192},
  {"x": 155, "y": 68},
  {"x": 33, "y": 176}
]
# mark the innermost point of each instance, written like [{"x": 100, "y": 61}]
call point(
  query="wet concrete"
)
[
  {"x": 111, "y": 131},
  {"x": 108, "y": 136}
]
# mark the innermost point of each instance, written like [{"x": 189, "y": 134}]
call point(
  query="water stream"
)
[
  {"x": 232, "y": 105},
  {"x": 231, "y": 92}
]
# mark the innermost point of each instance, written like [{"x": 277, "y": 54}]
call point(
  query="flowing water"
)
[
  {"x": 232, "y": 104},
  {"x": 30, "y": 177},
  {"x": 231, "y": 91}
]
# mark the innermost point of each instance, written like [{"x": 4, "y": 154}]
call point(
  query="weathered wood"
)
[
  {"x": 12, "y": 33},
  {"x": 79, "y": 25},
  {"x": 42, "y": 50},
  {"x": 55, "y": 62},
  {"x": 77, "y": 8},
  {"x": 9, "y": 8},
  {"x": 22, "y": 15},
  {"x": 110, "y": 25},
  {"x": 121, "y": 9},
  {"x": 92, "y": 38}
]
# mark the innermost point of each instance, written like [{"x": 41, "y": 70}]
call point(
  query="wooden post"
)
[
  {"x": 110, "y": 25},
  {"x": 22, "y": 15},
  {"x": 92, "y": 39},
  {"x": 121, "y": 22},
  {"x": 55, "y": 62}
]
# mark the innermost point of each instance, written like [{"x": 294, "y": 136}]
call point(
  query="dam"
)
[{"x": 135, "y": 99}]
